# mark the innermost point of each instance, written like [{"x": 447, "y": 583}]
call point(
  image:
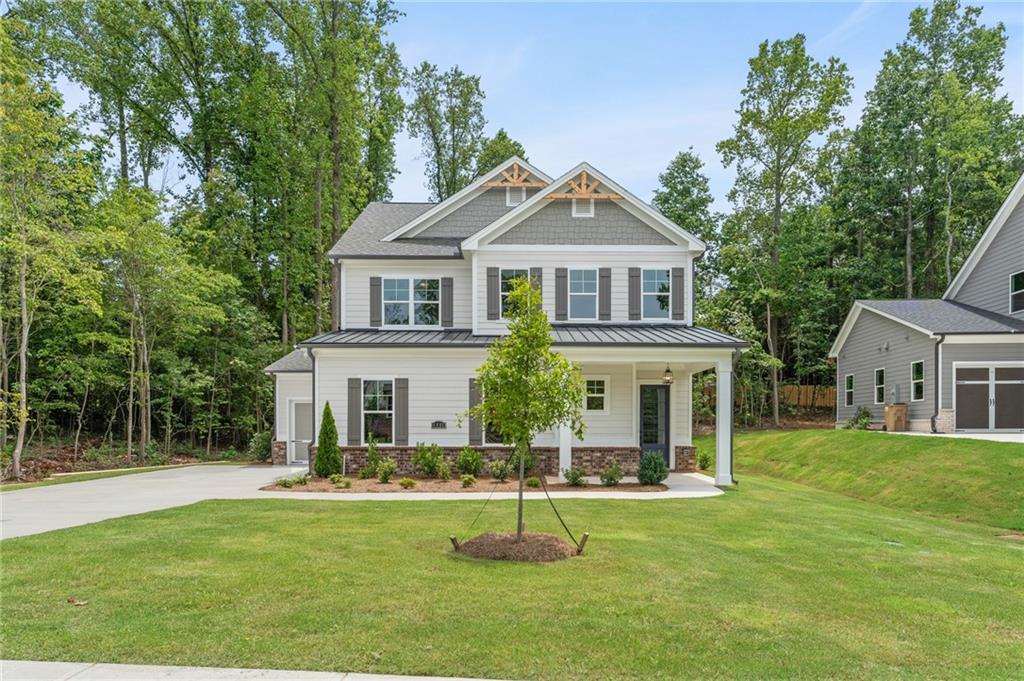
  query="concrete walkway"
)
[
  {"x": 41, "y": 509},
  {"x": 19, "y": 670},
  {"x": 991, "y": 437}
]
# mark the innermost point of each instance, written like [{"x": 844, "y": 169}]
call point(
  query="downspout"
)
[
  {"x": 938, "y": 379},
  {"x": 309, "y": 453}
]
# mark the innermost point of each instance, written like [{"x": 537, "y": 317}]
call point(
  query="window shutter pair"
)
[
  {"x": 400, "y": 408},
  {"x": 677, "y": 303},
  {"x": 494, "y": 289},
  {"x": 446, "y": 302},
  {"x": 604, "y": 294}
]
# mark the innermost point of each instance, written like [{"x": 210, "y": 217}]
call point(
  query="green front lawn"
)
[
  {"x": 774, "y": 580},
  {"x": 972, "y": 480}
]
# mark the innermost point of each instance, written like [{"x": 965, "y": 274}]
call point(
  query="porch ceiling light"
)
[{"x": 668, "y": 378}]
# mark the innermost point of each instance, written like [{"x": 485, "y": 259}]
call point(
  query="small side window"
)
[
  {"x": 514, "y": 195},
  {"x": 848, "y": 391},
  {"x": 1017, "y": 292},
  {"x": 583, "y": 208},
  {"x": 879, "y": 386},
  {"x": 917, "y": 381}
]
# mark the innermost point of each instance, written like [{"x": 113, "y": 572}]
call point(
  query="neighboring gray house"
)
[
  {"x": 422, "y": 288},
  {"x": 887, "y": 350}
]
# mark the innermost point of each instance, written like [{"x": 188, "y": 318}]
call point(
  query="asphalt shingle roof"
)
[
  {"x": 295, "y": 361},
  {"x": 946, "y": 316},
  {"x": 363, "y": 237},
  {"x": 562, "y": 335}
]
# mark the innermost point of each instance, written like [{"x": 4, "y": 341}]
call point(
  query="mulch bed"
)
[
  {"x": 455, "y": 485},
  {"x": 535, "y": 547}
]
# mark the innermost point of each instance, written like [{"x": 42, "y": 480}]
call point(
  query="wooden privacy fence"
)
[{"x": 822, "y": 396}]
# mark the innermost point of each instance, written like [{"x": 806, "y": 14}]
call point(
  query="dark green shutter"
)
[
  {"x": 375, "y": 302},
  {"x": 561, "y": 294},
  {"x": 634, "y": 293},
  {"x": 401, "y": 408},
  {"x": 447, "y": 301},
  {"x": 604, "y": 293},
  {"x": 493, "y": 294},
  {"x": 476, "y": 433},
  {"x": 355, "y": 412},
  {"x": 678, "y": 289}
]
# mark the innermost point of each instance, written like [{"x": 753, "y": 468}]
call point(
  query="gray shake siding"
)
[
  {"x": 611, "y": 225},
  {"x": 987, "y": 286},
  {"x": 880, "y": 343},
  {"x": 974, "y": 352},
  {"x": 474, "y": 216}
]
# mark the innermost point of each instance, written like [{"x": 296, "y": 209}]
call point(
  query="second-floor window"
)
[
  {"x": 1017, "y": 292},
  {"x": 508, "y": 276},
  {"x": 411, "y": 302},
  {"x": 583, "y": 294},
  {"x": 656, "y": 294}
]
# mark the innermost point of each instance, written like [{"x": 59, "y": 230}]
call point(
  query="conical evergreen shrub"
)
[{"x": 328, "y": 454}]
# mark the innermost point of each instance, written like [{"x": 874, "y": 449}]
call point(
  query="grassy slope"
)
[
  {"x": 95, "y": 475},
  {"x": 970, "y": 480},
  {"x": 773, "y": 580}
]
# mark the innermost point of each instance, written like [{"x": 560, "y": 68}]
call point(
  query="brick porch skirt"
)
[{"x": 592, "y": 460}]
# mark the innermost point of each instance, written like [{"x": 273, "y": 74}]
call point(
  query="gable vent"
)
[{"x": 583, "y": 208}]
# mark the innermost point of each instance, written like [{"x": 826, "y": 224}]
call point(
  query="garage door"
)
[{"x": 989, "y": 397}]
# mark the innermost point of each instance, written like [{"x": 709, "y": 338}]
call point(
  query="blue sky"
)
[{"x": 627, "y": 86}]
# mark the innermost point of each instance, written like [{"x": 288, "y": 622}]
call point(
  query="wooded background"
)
[{"x": 143, "y": 316}]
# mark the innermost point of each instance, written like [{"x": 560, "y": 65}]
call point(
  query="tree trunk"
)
[
  {"x": 19, "y": 444},
  {"x": 949, "y": 231},
  {"x": 773, "y": 323},
  {"x": 284, "y": 298},
  {"x": 81, "y": 415},
  {"x": 130, "y": 419},
  {"x": 122, "y": 140},
  {"x": 929, "y": 254},
  {"x": 318, "y": 247},
  {"x": 213, "y": 395},
  {"x": 519, "y": 512},
  {"x": 908, "y": 248},
  {"x": 4, "y": 380}
]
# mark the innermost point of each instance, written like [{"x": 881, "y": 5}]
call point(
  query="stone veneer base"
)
[
  {"x": 279, "y": 453},
  {"x": 592, "y": 460}
]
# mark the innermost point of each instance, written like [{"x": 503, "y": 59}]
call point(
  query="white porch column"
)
[
  {"x": 564, "y": 450},
  {"x": 723, "y": 424}
]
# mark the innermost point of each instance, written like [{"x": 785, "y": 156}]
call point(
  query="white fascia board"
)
[
  {"x": 630, "y": 204},
  {"x": 1002, "y": 215},
  {"x": 978, "y": 338},
  {"x": 459, "y": 199},
  {"x": 851, "y": 319}
]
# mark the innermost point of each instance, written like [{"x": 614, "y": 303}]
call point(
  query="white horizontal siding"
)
[
  {"x": 356, "y": 286},
  {"x": 288, "y": 387},
  {"x": 619, "y": 262}
]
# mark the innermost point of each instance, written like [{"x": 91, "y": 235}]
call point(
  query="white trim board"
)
[
  {"x": 851, "y": 319},
  {"x": 1001, "y": 216},
  {"x": 459, "y": 199}
]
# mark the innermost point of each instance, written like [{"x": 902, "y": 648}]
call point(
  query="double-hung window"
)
[
  {"x": 917, "y": 381},
  {"x": 848, "y": 391},
  {"x": 1017, "y": 292},
  {"x": 583, "y": 294},
  {"x": 378, "y": 411},
  {"x": 507, "y": 277},
  {"x": 879, "y": 386},
  {"x": 597, "y": 395},
  {"x": 656, "y": 293},
  {"x": 411, "y": 301}
]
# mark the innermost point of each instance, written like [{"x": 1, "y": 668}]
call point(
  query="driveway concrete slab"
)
[{"x": 991, "y": 437}]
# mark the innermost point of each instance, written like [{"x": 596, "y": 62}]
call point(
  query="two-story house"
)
[
  {"x": 421, "y": 291},
  {"x": 957, "y": 362}
]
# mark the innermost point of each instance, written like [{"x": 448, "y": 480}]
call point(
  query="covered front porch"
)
[{"x": 641, "y": 398}]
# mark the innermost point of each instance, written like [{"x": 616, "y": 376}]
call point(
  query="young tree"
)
[
  {"x": 497, "y": 149},
  {"x": 526, "y": 388},
  {"x": 447, "y": 115},
  {"x": 789, "y": 100},
  {"x": 328, "y": 455}
]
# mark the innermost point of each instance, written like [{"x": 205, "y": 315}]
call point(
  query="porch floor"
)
[{"x": 680, "y": 486}]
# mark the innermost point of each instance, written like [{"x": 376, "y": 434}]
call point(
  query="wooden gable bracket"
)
[
  {"x": 516, "y": 178},
  {"x": 582, "y": 188}
]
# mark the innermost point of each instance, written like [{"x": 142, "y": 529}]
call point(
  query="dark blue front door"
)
[{"x": 654, "y": 419}]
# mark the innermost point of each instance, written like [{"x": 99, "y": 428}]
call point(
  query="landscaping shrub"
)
[
  {"x": 652, "y": 469},
  {"x": 341, "y": 481},
  {"x": 372, "y": 452},
  {"x": 427, "y": 459},
  {"x": 444, "y": 471},
  {"x": 407, "y": 483},
  {"x": 469, "y": 461},
  {"x": 229, "y": 454},
  {"x": 328, "y": 455},
  {"x": 301, "y": 479},
  {"x": 575, "y": 477},
  {"x": 860, "y": 420},
  {"x": 259, "y": 446},
  {"x": 530, "y": 460},
  {"x": 468, "y": 480},
  {"x": 385, "y": 469},
  {"x": 500, "y": 470},
  {"x": 532, "y": 481},
  {"x": 612, "y": 475},
  {"x": 704, "y": 460}
]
